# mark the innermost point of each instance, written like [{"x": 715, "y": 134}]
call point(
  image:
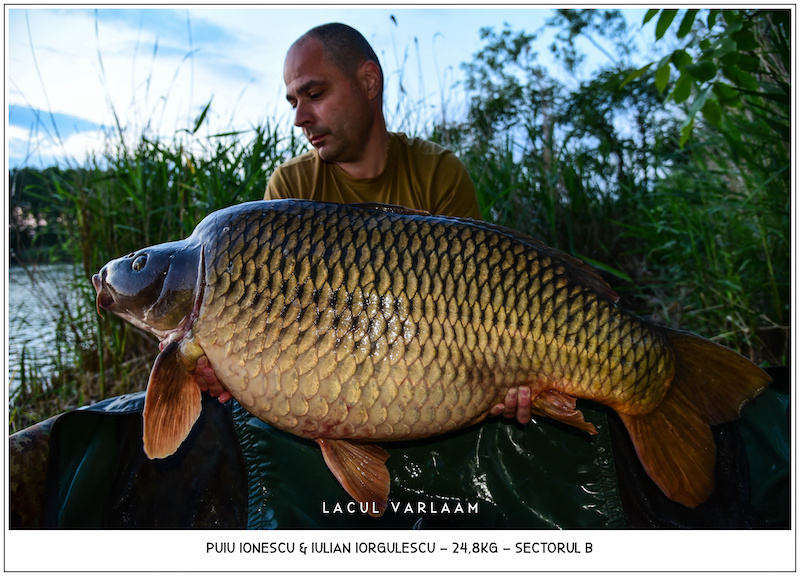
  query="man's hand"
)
[
  {"x": 207, "y": 380},
  {"x": 516, "y": 403}
]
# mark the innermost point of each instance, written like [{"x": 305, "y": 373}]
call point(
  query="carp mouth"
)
[{"x": 105, "y": 301}]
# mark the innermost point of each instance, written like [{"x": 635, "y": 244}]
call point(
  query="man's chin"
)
[{"x": 327, "y": 155}]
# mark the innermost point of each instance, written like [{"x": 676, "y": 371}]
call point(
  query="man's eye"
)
[{"x": 315, "y": 95}]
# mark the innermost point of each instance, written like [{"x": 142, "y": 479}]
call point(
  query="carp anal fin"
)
[
  {"x": 676, "y": 449},
  {"x": 674, "y": 441},
  {"x": 361, "y": 470},
  {"x": 561, "y": 407},
  {"x": 172, "y": 404}
]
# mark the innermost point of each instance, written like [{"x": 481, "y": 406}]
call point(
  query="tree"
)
[{"x": 731, "y": 59}]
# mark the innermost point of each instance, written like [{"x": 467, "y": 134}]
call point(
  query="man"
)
[{"x": 334, "y": 83}]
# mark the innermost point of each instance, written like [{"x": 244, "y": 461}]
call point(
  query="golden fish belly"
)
[
  {"x": 378, "y": 401},
  {"x": 344, "y": 323}
]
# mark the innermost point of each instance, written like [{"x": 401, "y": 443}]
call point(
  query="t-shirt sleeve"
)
[
  {"x": 295, "y": 178},
  {"x": 453, "y": 189}
]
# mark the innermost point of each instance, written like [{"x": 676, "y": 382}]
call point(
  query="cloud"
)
[
  {"x": 38, "y": 149},
  {"x": 153, "y": 68},
  {"x": 156, "y": 69},
  {"x": 36, "y": 137}
]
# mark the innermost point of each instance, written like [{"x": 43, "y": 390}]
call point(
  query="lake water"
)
[{"x": 33, "y": 305}]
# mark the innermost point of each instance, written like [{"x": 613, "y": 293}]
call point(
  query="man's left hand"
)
[{"x": 517, "y": 403}]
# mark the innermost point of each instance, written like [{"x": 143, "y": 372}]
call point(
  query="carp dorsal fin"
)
[
  {"x": 561, "y": 407},
  {"x": 361, "y": 470},
  {"x": 391, "y": 208},
  {"x": 172, "y": 404},
  {"x": 577, "y": 268}
]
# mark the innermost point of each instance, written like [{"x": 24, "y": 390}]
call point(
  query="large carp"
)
[{"x": 351, "y": 325}]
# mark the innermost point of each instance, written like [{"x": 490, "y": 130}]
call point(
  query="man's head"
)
[
  {"x": 335, "y": 84},
  {"x": 345, "y": 47}
]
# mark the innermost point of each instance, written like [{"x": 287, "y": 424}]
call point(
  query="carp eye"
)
[{"x": 139, "y": 263}]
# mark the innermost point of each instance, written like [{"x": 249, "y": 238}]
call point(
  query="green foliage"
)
[
  {"x": 738, "y": 60},
  {"x": 558, "y": 163},
  {"x": 735, "y": 65}
]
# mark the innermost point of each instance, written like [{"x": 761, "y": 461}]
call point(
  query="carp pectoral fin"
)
[
  {"x": 361, "y": 470},
  {"x": 171, "y": 406},
  {"x": 560, "y": 407}
]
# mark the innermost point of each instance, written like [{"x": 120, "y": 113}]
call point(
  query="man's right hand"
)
[{"x": 207, "y": 381}]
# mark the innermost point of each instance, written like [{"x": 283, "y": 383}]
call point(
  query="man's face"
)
[{"x": 332, "y": 109}]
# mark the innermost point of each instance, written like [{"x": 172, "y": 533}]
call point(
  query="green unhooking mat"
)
[{"x": 234, "y": 471}]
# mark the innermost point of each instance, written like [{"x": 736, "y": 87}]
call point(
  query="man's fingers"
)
[
  {"x": 510, "y": 402},
  {"x": 207, "y": 381},
  {"x": 524, "y": 405},
  {"x": 497, "y": 409}
]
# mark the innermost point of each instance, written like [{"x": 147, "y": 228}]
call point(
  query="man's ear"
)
[{"x": 371, "y": 78}]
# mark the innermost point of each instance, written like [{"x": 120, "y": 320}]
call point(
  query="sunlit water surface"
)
[{"x": 36, "y": 344}]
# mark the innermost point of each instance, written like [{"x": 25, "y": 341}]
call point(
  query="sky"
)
[{"x": 73, "y": 75}]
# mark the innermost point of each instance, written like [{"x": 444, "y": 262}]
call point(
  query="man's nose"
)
[{"x": 302, "y": 115}]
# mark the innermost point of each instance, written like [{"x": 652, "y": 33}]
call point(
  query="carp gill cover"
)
[{"x": 351, "y": 325}]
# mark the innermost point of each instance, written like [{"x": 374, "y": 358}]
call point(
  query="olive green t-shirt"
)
[{"x": 418, "y": 174}]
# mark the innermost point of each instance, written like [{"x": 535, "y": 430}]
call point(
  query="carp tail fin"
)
[
  {"x": 172, "y": 404},
  {"x": 361, "y": 470},
  {"x": 674, "y": 441}
]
